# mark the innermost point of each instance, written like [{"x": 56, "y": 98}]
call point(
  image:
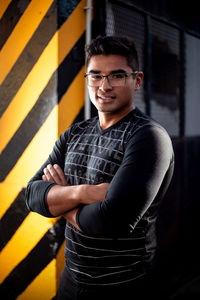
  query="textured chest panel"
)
[{"x": 94, "y": 157}]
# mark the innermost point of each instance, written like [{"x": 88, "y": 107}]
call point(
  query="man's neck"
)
[{"x": 108, "y": 119}]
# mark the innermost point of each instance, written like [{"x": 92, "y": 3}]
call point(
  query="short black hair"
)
[{"x": 119, "y": 45}]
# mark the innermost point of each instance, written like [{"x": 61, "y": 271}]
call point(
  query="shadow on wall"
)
[{"x": 178, "y": 226}]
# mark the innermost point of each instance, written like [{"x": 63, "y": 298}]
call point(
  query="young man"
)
[{"x": 107, "y": 176}]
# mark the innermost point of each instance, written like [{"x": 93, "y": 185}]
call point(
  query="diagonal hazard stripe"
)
[
  {"x": 25, "y": 272},
  {"x": 32, "y": 123},
  {"x": 26, "y": 238},
  {"x": 22, "y": 34},
  {"x": 39, "y": 76},
  {"x": 22, "y": 239},
  {"x": 65, "y": 8},
  {"x": 3, "y": 6},
  {"x": 13, "y": 218},
  {"x": 36, "y": 124},
  {"x": 68, "y": 109},
  {"x": 47, "y": 135},
  {"x": 28, "y": 58},
  {"x": 43, "y": 286},
  {"x": 40, "y": 111},
  {"x": 10, "y": 18},
  {"x": 31, "y": 89},
  {"x": 30, "y": 162}
]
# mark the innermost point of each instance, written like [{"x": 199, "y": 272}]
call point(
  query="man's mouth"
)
[{"x": 106, "y": 98}]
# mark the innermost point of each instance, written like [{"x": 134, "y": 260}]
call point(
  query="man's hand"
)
[
  {"x": 64, "y": 200},
  {"x": 90, "y": 194},
  {"x": 54, "y": 174},
  {"x": 70, "y": 216}
]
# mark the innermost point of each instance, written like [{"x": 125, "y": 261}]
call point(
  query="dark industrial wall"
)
[
  {"x": 178, "y": 225},
  {"x": 41, "y": 94},
  {"x": 168, "y": 47}
]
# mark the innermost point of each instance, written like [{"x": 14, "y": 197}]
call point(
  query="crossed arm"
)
[
  {"x": 64, "y": 200},
  {"x": 143, "y": 177}
]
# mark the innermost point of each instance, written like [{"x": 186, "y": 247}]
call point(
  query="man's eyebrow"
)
[
  {"x": 111, "y": 72},
  {"x": 118, "y": 71},
  {"x": 94, "y": 72}
]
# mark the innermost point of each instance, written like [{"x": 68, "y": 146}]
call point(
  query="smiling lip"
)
[{"x": 106, "y": 98}]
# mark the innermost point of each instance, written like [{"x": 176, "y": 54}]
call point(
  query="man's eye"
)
[
  {"x": 95, "y": 77},
  {"x": 117, "y": 76}
]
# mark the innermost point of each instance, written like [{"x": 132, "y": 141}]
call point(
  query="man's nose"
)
[{"x": 105, "y": 85}]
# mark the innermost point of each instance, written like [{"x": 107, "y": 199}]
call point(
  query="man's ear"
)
[{"x": 139, "y": 80}]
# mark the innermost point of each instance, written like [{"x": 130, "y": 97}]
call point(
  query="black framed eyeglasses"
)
[{"x": 114, "y": 79}]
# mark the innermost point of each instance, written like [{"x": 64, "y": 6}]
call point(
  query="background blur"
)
[{"x": 42, "y": 92}]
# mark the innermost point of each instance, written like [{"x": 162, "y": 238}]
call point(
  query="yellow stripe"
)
[
  {"x": 3, "y": 6},
  {"x": 27, "y": 236},
  {"x": 43, "y": 287},
  {"x": 28, "y": 94},
  {"x": 31, "y": 160},
  {"x": 34, "y": 226},
  {"x": 39, "y": 76},
  {"x": 71, "y": 102},
  {"x": 21, "y": 34},
  {"x": 71, "y": 30},
  {"x": 29, "y": 233},
  {"x": 47, "y": 136}
]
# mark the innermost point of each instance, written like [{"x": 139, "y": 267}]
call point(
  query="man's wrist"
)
[
  {"x": 81, "y": 193},
  {"x": 62, "y": 198},
  {"x": 73, "y": 194}
]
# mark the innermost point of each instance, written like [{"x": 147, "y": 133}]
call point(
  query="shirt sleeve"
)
[
  {"x": 142, "y": 179},
  {"x": 37, "y": 189}
]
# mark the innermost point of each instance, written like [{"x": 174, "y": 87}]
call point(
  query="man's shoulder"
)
[
  {"x": 144, "y": 125},
  {"x": 145, "y": 121},
  {"x": 142, "y": 118},
  {"x": 150, "y": 133}
]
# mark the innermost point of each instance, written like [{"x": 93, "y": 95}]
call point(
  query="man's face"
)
[{"x": 109, "y": 99}]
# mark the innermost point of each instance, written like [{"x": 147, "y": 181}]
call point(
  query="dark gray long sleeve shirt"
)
[{"x": 118, "y": 240}]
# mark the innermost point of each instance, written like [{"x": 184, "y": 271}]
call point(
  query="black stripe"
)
[
  {"x": 65, "y": 8},
  {"x": 70, "y": 67},
  {"x": 33, "y": 50},
  {"x": 29, "y": 268},
  {"x": 10, "y": 18},
  {"x": 46, "y": 102},
  {"x": 28, "y": 58},
  {"x": 12, "y": 219}
]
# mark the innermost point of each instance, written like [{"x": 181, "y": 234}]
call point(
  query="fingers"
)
[
  {"x": 44, "y": 178},
  {"x": 54, "y": 174},
  {"x": 61, "y": 174},
  {"x": 47, "y": 175}
]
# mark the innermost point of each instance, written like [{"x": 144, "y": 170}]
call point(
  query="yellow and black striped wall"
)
[{"x": 41, "y": 94}]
